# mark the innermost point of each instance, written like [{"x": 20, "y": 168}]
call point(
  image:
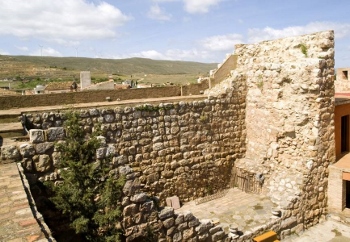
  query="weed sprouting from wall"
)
[
  {"x": 260, "y": 82},
  {"x": 303, "y": 49}
]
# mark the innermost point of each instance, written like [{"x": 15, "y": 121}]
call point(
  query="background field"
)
[{"x": 22, "y": 72}]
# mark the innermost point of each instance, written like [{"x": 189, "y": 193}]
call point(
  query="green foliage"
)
[
  {"x": 90, "y": 193},
  {"x": 203, "y": 118},
  {"x": 30, "y": 84},
  {"x": 303, "y": 49},
  {"x": 260, "y": 84},
  {"x": 209, "y": 190}
]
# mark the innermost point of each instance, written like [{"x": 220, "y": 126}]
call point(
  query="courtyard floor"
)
[
  {"x": 243, "y": 210},
  {"x": 248, "y": 211}
]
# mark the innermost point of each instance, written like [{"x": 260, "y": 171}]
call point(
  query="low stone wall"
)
[
  {"x": 225, "y": 69},
  {"x": 185, "y": 149},
  {"x": 195, "y": 89},
  {"x": 69, "y": 98},
  {"x": 342, "y": 86}
]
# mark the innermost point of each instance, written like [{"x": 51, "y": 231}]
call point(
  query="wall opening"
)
[
  {"x": 347, "y": 196},
  {"x": 345, "y": 75},
  {"x": 345, "y": 133}
]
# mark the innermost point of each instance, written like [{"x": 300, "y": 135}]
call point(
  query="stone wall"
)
[
  {"x": 342, "y": 82},
  {"x": 195, "y": 89},
  {"x": 290, "y": 120},
  {"x": 224, "y": 69},
  {"x": 54, "y": 99},
  {"x": 178, "y": 148},
  {"x": 185, "y": 149},
  {"x": 107, "y": 85},
  {"x": 276, "y": 111}
]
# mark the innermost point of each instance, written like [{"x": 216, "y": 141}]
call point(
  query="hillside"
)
[{"x": 32, "y": 67}]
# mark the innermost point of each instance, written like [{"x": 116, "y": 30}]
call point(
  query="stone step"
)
[
  {"x": 8, "y": 130},
  {"x": 9, "y": 118}
]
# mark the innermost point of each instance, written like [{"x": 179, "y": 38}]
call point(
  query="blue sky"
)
[{"x": 193, "y": 30}]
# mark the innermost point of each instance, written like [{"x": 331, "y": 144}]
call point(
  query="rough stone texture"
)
[
  {"x": 342, "y": 83},
  {"x": 55, "y": 134},
  {"x": 10, "y": 152},
  {"x": 162, "y": 142},
  {"x": 36, "y": 135},
  {"x": 276, "y": 109},
  {"x": 290, "y": 119}
]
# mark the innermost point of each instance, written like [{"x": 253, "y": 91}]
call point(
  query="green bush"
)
[{"x": 89, "y": 193}]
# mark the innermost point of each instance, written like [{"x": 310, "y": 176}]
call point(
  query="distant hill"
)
[{"x": 66, "y": 68}]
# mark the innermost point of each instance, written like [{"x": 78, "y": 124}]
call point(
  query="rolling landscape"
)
[{"x": 24, "y": 72}]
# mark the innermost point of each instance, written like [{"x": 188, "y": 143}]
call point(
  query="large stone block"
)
[
  {"x": 43, "y": 148},
  {"x": 36, "y": 135},
  {"x": 42, "y": 163},
  {"x": 167, "y": 212},
  {"x": 10, "y": 152},
  {"x": 54, "y": 134},
  {"x": 27, "y": 150}
]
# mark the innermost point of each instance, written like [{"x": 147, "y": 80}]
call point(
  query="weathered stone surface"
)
[
  {"x": 26, "y": 150},
  {"x": 10, "y": 152},
  {"x": 218, "y": 236},
  {"x": 204, "y": 226},
  {"x": 42, "y": 163},
  {"x": 130, "y": 210},
  {"x": 215, "y": 229},
  {"x": 194, "y": 222},
  {"x": 188, "y": 216},
  {"x": 36, "y": 135},
  {"x": 177, "y": 237},
  {"x": 163, "y": 147},
  {"x": 55, "y": 134},
  {"x": 182, "y": 226},
  {"x": 27, "y": 164},
  {"x": 289, "y": 223},
  {"x": 166, "y": 213},
  {"x": 44, "y": 148},
  {"x": 101, "y": 153},
  {"x": 129, "y": 188},
  {"x": 188, "y": 233},
  {"x": 168, "y": 223},
  {"x": 180, "y": 219},
  {"x": 139, "y": 198}
]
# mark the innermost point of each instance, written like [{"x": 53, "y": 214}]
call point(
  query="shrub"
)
[{"x": 89, "y": 193}]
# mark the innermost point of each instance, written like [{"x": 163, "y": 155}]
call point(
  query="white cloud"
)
[
  {"x": 60, "y": 20},
  {"x": 2, "y": 52},
  {"x": 22, "y": 48},
  {"x": 202, "y": 6},
  {"x": 256, "y": 35},
  {"x": 151, "y": 54},
  {"x": 192, "y": 54},
  {"x": 171, "y": 54},
  {"x": 222, "y": 42},
  {"x": 157, "y": 13},
  {"x": 46, "y": 51}
]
